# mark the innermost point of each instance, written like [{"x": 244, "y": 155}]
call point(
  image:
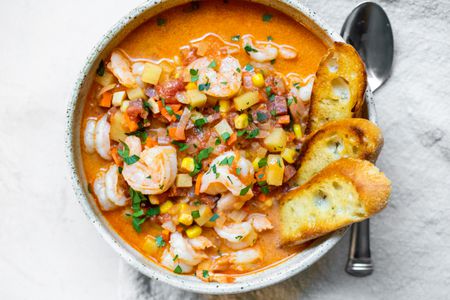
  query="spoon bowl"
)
[{"x": 368, "y": 29}]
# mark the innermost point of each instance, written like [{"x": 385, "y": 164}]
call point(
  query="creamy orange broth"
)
[{"x": 154, "y": 42}]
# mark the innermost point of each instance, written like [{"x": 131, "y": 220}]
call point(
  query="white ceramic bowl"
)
[{"x": 245, "y": 283}]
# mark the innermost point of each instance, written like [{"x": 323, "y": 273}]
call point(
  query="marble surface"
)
[{"x": 49, "y": 250}]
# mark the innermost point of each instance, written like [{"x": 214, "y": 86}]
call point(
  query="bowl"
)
[{"x": 281, "y": 271}]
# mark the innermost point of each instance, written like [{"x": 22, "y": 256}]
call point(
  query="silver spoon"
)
[{"x": 368, "y": 29}]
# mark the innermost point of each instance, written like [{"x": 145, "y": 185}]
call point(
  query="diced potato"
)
[
  {"x": 119, "y": 127},
  {"x": 106, "y": 79},
  {"x": 196, "y": 98},
  {"x": 153, "y": 106},
  {"x": 193, "y": 231},
  {"x": 224, "y": 106},
  {"x": 150, "y": 246},
  {"x": 185, "y": 219},
  {"x": 183, "y": 180},
  {"x": 274, "y": 170},
  {"x": 276, "y": 140},
  {"x": 289, "y": 155},
  {"x": 246, "y": 100},
  {"x": 136, "y": 93},
  {"x": 118, "y": 97},
  {"x": 151, "y": 73},
  {"x": 205, "y": 215},
  {"x": 223, "y": 127}
]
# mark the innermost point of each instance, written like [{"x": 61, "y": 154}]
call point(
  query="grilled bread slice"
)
[
  {"x": 339, "y": 88},
  {"x": 347, "y": 191},
  {"x": 353, "y": 138}
]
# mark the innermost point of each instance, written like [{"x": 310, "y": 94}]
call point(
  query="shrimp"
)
[
  {"x": 89, "y": 136},
  {"x": 170, "y": 261},
  {"x": 186, "y": 253},
  {"x": 200, "y": 243},
  {"x": 155, "y": 171},
  {"x": 259, "y": 222},
  {"x": 246, "y": 259},
  {"x": 301, "y": 90},
  {"x": 120, "y": 66},
  {"x": 220, "y": 179},
  {"x": 102, "y": 141},
  {"x": 259, "y": 54},
  {"x": 109, "y": 192},
  {"x": 229, "y": 202},
  {"x": 114, "y": 191},
  {"x": 223, "y": 81},
  {"x": 266, "y": 51},
  {"x": 237, "y": 235}
]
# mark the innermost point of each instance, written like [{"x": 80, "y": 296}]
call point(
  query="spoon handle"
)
[{"x": 359, "y": 261}]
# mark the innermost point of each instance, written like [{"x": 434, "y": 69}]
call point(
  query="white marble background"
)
[{"x": 49, "y": 250}]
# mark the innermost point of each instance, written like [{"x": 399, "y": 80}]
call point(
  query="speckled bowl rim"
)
[{"x": 270, "y": 276}]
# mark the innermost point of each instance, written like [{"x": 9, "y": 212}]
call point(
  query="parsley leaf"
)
[
  {"x": 252, "y": 134},
  {"x": 204, "y": 86},
  {"x": 269, "y": 38},
  {"x": 203, "y": 154},
  {"x": 160, "y": 242},
  {"x": 261, "y": 117},
  {"x": 125, "y": 154},
  {"x": 195, "y": 214},
  {"x": 238, "y": 237},
  {"x": 200, "y": 122},
  {"x": 267, "y": 17},
  {"x": 181, "y": 146},
  {"x": 194, "y": 75},
  {"x": 248, "y": 67},
  {"x": 153, "y": 211},
  {"x": 262, "y": 162},
  {"x": 238, "y": 171},
  {"x": 214, "y": 217},
  {"x": 161, "y": 21},
  {"x": 245, "y": 190},
  {"x": 205, "y": 274},
  {"x": 227, "y": 161},
  {"x": 225, "y": 136},
  {"x": 212, "y": 64},
  {"x": 217, "y": 141},
  {"x": 249, "y": 49},
  {"x": 178, "y": 270},
  {"x": 236, "y": 38}
]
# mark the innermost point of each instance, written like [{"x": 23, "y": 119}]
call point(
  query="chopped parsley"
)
[
  {"x": 200, "y": 122},
  {"x": 214, "y": 217},
  {"x": 101, "y": 68},
  {"x": 161, "y": 21},
  {"x": 268, "y": 91},
  {"x": 238, "y": 70},
  {"x": 125, "y": 154},
  {"x": 204, "y": 86},
  {"x": 249, "y": 49},
  {"x": 195, "y": 214},
  {"x": 269, "y": 38},
  {"x": 267, "y": 17},
  {"x": 178, "y": 270},
  {"x": 227, "y": 161},
  {"x": 265, "y": 189},
  {"x": 261, "y": 117},
  {"x": 249, "y": 67},
  {"x": 153, "y": 211},
  {"x": 212, "y": 64},
  {"x": 238, "y": 171},
  {"x": 262, "y": 162},
  {"x": 245, "y": 190},
  {"x": 252, "y": 134},
  {"x": 273, "y": 112},
  {"x": 216, "y": 108},
  {"x": 138, "y": 213},
  {"x": 238, "y": 237},
  {"x": 120, "y": 170},
  {"x": 273, "y": 61},
  {"x": 203, "y": 154},
  {"x": 225, "y": 136},
  {"x": 236, "y": 38},
  {"x": 175, "y": 258},
  {"x": 169, "y": 110},
  {"x": 205, "y": 274},
  {"x": 160, "y": 242},
  {"x": 181, "y": 146},
  {"x": 217, "y": 141},
  {"x": 194, "y": 75}
]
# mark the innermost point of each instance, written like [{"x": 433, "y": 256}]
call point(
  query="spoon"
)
[{"x": 368, "y": 29}]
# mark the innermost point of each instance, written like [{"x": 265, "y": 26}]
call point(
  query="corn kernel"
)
[
  {"x": 298, "y": 131},
  {"x": 258, "y": 80},
  {"x": 118, "y": 98},
  {"x": 150, "y": 246},
  {"x": 187, "y": 164},
  {"x": 194, "y": 231},
  {"x": 185, "y": 219},
  {"x": 288, "y": 154},
  {"x": 124, "y": 106},
  {"x": 153, "y": 199},
  {"x": 241, "y": 121},
  {"x": 224, "y": 106},
  {"x": 191, "y": 86},
  {"x": 174, "y": 210},
  {"x": 184, "y": 207},
  {"x": 165, "y": 207}
]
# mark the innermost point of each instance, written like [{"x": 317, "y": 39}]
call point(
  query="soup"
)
[{"x": 192, "y": 131}]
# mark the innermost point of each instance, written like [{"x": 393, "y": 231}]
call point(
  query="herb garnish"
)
[
  {"x": 160, "y": 242},
  {"x": 194, "y": 74},
  {"x": 267, "y": 17},
  {"x": 140, "y": 133},
  {"x": 205, "y": 274},
  {"x": 181, "y": 146},
  {"x": 249, "y": 49},
  {"x": 214, "y": 217},
  {"x": 227, "y": 161},
  {"x": 238, "y": 237},
  {"x": 225, "y": 136},
  {"x": 178, "y": 270},
  {"x": 200, "y": 122},
  {"x": 160, "y": 21},
  {"x": 203, "y": 154},
  {"x": 261, "y": 117},
  {"x": 238, "y": 171},
  {"x": 212, "y": 64},
  {"x": 262, "y": 162},
  {"x": 125, "y": 154},
  {"x": 245, "y": 190},
  {"x": 195, "y": 214},
  {"x": 269, "y": 38},
  {"x": 236, "y": 38},
  {"x": 248, "y": 67}
]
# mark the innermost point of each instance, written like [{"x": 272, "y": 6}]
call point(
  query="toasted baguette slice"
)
[
  {"x": 352, "y": 138},
  {"x": 347, "y": 191},
  {"x": 339, "y": 88}
]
